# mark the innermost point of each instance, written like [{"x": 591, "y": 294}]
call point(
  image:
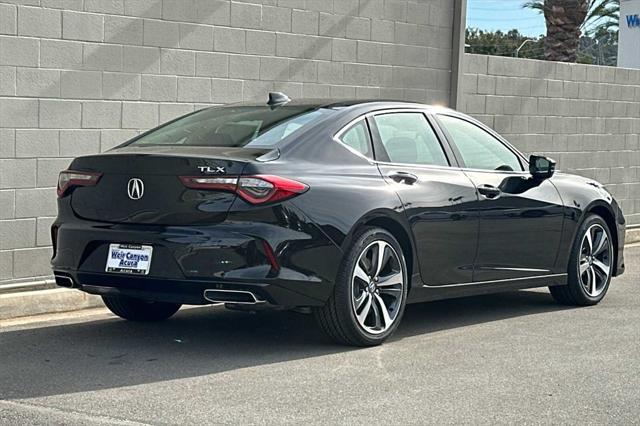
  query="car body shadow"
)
[{"x": 111, "y": 353}]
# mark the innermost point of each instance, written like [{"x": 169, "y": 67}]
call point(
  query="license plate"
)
[{"x": 129, "y": 259}]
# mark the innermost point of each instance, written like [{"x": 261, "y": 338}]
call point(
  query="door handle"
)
[
  {"x": 404, "y": 177},
  {"x": 490, "y": 192}
]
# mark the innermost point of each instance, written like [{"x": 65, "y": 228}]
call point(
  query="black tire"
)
[
  {"x": 337, "y": 318},
  {"x": 574, "y": 293},
  {"x": 133, "y": 309}
]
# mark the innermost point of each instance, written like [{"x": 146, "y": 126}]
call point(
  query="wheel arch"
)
[
  {"x": 605, "y": 212},
  {"x": 390, "y": 222}
]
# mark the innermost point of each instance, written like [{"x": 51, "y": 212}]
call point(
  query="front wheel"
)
[
  {"x": 370, "y": 292},
  {"x": 133, "y": 309},
  {"x": 590, "y": 266}
]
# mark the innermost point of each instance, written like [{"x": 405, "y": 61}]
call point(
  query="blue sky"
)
[{"x": 504, "y": 15}]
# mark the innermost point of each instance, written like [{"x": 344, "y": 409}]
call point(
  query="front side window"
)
[
  {"x": 409, "y": 138},
  {"x": 478, "y": 148},
  {"x": 357, "y": 137},
  {"x": 237, "y": 126}
]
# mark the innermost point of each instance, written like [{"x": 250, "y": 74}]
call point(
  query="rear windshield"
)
[{"x": 241, "y": 126}]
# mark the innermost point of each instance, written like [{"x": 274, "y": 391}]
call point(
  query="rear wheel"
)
[
  {"x": 370, "y": 292},
  {"x": 590, "y": 266},
  {"x": 133, "y": 309}
]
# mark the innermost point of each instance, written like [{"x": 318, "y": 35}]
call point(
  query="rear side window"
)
[
  {"x": 241, "y": 126},
  {"x": 409, "y": 138},
  {"x": 479, "y": 149},
  {"x": 357, "y": 137}
]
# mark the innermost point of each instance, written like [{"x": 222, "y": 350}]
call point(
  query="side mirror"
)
[{"x": 541, "y": 167}]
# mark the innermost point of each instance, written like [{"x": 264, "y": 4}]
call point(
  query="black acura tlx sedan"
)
[{"x": 349, "y": 210}]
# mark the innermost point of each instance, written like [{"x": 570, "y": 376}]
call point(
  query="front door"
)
[
  {"x": 437, "y": 197},
  {"x": 520, "y": 218}
]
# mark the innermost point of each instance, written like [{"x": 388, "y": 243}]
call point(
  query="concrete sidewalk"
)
[{"x": 50, "y": 301}]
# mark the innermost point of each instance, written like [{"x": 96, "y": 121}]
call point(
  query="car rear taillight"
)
[
  {"x": 70, "y": 178},
  {"x": 258, "y": 189},
  {"x": 264, "y": 188}
]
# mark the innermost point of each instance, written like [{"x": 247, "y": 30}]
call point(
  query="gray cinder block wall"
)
[
  {"x": 586, "y": 117},
  {"x": 80, "y": 76}
]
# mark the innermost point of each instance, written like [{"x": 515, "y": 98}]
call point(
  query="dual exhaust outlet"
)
[
  {"x": 236, "y": 297},
  {"x": 65, "y": 281}
]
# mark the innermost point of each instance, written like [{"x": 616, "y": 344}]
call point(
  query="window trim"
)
[
  {"x": 375, "y": 136},
  {"x": 338, "y": 138},
  {"x": 524, "y": 163}
]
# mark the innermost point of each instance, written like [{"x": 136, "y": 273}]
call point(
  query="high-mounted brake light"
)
[
  {"x": 70, "y": 178},
  {"x": 258, "y": 189}
]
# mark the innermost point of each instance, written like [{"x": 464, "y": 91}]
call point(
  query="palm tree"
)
[
  {"x": 604, "y": 15},
  {"x": 566, "y": 19}
]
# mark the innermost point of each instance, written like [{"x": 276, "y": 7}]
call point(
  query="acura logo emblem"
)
[{"x": 135, "y": 188}]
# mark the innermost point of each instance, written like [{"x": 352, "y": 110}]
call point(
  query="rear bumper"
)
[
  {"x": 187, "y": 292},
  {"x": 283, "y": 263}
]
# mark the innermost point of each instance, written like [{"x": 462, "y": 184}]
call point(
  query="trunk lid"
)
[{"x": 151, "y": 174}]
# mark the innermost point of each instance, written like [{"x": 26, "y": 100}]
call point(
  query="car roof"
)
[{"x": 347, "y": 103}]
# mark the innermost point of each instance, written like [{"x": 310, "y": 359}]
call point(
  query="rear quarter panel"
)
[{"x": 345, "y": 191}]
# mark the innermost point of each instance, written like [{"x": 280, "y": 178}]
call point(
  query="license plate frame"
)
[{"x": 130, "y": 259}]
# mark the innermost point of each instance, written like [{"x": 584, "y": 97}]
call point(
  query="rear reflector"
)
[
  {"x": 70, "y": 178},
  {"x": 258, "y": 189},
  {"x": 271, "y": 256}
]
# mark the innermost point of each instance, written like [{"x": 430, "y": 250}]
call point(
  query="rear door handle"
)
[
  {"x": 404, "y": 177},
  {"x": 490, "y": 192}
]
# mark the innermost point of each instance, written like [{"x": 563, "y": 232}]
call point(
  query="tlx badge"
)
[{"x": 211, "y": 170}]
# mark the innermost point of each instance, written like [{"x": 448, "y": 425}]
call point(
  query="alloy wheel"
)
[
  {"x": 595, "y": 260},
  {"x": 377, "y": 287}
]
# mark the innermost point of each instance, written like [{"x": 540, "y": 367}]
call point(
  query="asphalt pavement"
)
[{"x": 508, "y": 358}]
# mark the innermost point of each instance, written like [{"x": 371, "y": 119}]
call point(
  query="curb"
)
[
  {"x": 46, "y": 284},
  {"x": 38, "y": 302},
  {"x": 632, "y": 236},
  {"x": 58, "y": 300}
]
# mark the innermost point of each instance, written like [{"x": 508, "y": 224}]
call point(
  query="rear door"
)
[
  {"x": 520, "y": 218},
  {"x": 437, "y": 197}
]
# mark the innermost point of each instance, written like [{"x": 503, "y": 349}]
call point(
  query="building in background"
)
[{"x": 629, "y": 41}]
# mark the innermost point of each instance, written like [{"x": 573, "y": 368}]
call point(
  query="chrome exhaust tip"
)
[
  {"x": 65, "y": 281},
  {"x": 237, "y": 297}
]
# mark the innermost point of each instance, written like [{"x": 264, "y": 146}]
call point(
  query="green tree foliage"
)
[
  {"x": 599, "y": 47},
  {"x": 498, "y": 43}
]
